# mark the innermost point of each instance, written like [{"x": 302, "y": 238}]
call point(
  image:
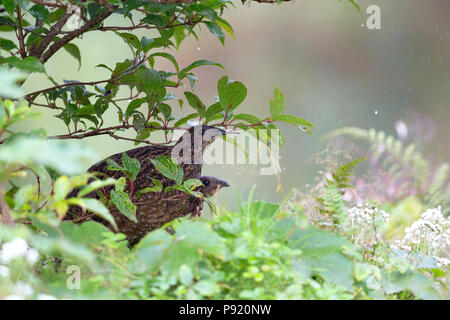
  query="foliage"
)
[
  {"x": 261, "y": 251},
  {"x": 413, "y": 173},
  {"x": 265, "y": 251},
  {"x": 38, "y": 29}
]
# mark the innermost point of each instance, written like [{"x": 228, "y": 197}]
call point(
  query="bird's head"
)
[
  {"x": 211, "y": 185},
  {"x": 204, "y": 134}
]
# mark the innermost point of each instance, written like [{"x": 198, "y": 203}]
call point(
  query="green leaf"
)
[
  {"x": 196, "y": 64},
  {"x": 215, "y": 29},
  {"x": 232, "y": 95},
  {"x": 120, "y": 184},
  {"x": 133, "y": 105},
  {"x": 62, "y": 188},
  {"x": 159, "y": 21},
  {"x": 23, "y": 195},
  {"x": 201, "y": 236},
  {"x": 74, "y": 51},
  {"x": 213, "y": 111},
  {"x": 179, "y": 36},
  {"x": 131, "y": 165},
  {"x": 10, "y": 6},
  {"x": 99, "y": 209},
  {"x": 191, "y": 184},
  {"x": 123, "y": 203},
  {"x": 169, "y": 57},
  {"x": 277, "y": 104},
  {"x": 94, "y": 185},
  {"x": 113, "y": 165},
  {"x": 185, "y": 119},
  {"x": 168, "y": 168},
  {"x": 185, "y": 275},
  {"x": 225, "y": 26},
  {"x": 195, "y": 102},
  {"x": 247, "y": 117},
  {"x": 68, "y": 157},
  {"x": 39, "y": 12},
  {"x": 7, "y": 45},
  {"x": 152, "y": 81},
  {"x": 31, "y": 64},
  {"x": 131, "y": 39},
  {"x": 157, "y": 187},
  {"x": 322, "y": 254},
  {"x": 422, "y": 286},
  {"x": 295, "y": 121}
]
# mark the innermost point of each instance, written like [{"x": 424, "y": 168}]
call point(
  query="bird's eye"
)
[
  {"x": 206, "y": 183},
  {"x": 203, "y": 131}
]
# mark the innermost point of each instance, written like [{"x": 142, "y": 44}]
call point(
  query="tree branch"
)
[
  {"x": 54, "y": 31},
  {"x": 19, "y": 33},
  {"x": 72, "y": 35}
]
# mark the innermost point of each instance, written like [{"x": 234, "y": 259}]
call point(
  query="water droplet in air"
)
[
  {"x": 198, "y": 48},
  {"x": 401, "y": 128},
  {"x": 376, "y": 112}
]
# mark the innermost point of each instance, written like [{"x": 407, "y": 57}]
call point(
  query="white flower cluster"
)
[
  {"x": 365, "y": 215},
  {"x": 363, "y": 223},
  {"x": 18, "y": 248},
  {"x": 22, "y": 290},
  {"x": 430, "y": 233}
]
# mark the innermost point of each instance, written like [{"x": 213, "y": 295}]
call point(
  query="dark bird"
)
[
  {"x": 188, "y": 150},
  {"x": 154, "y": 210}
]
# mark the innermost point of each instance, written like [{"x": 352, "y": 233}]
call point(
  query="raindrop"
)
[
  {"x": 376, "y": 112},
  {"x": 401, "y": 128},
  {"x": 198, "y": 48},
  {"x": 304, "y": 129}
]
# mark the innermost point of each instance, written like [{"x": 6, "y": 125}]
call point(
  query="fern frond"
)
[{"x": 382, "y": 144}]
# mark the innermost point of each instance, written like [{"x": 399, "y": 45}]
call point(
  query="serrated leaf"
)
[
  {"x": 123, "y": 203},
  {"x": 120, "y": 184},
  {"x": 168, "y": 168},
  {"x": 131, "y": 165},
  {"x": 277, "y": 104},
  {"x": 191, "y": 184}
]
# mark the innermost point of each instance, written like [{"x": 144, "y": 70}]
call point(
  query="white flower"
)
[
  {"x": 32, "y": 256},
  {"x": 13, "y": 249},
  {"x": 4, "y": 271},
  {"x": 23, "y": 289},
  {"x": 442, "y": 262},
  {"x": 430, "y": 234}
]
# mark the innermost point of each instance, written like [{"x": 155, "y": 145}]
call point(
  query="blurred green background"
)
[{"x": 331, "y": 68}]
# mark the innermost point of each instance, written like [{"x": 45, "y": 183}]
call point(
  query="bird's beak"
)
[{"x": 223, "y": 184}]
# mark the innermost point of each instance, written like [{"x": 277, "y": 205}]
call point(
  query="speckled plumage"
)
[{"x": 153, "y": 210}]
